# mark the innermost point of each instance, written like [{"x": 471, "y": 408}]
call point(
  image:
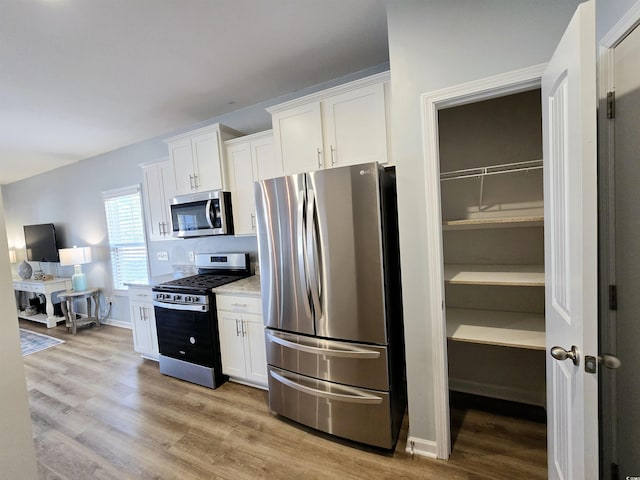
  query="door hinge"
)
[
  {"x": 615, "y": 472},
  {"x": 611, "y": 104},
  {"x": 613, "y": 297}
]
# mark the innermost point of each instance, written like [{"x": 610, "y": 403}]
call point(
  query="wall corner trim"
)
[{"x": 422, "y": 447}]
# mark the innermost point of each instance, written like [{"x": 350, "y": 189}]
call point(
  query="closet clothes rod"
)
[{"x": 480, "y": 172}]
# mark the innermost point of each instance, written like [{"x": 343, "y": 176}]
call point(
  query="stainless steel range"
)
[{"x": 186, "y": 318}]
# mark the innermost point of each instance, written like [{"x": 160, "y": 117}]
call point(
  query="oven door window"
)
[{"x": 186, "y": 336}]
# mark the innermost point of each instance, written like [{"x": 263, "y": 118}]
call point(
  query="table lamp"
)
[{"x": 77, "y": 257}]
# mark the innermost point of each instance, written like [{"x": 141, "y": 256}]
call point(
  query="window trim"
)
[{"x": 115, "y": 193}]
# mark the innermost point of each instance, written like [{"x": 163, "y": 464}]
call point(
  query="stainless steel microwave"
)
[{"x": 200, "y": 214}]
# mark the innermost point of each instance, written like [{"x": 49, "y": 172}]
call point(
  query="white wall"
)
[
  {"x": 433, "y": 45},
  {"x": 17, "y": 454},
  {"x": 70, "y": 197}
]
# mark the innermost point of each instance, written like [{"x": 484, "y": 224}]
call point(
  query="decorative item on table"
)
[
  {"x": 25, "y": 270},
  {"x": 38, "y": 275},
  {"x": 77, "y": 257}
]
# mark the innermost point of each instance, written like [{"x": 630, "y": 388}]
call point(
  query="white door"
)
[
  {"x": 207, "y": 161},
  {"x": 570, "y": 184},
  {"x": 240, "y": 169}
]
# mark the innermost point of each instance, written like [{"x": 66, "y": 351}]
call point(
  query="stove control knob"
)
[
  {"x": 188, "y": 299},
  {"x": 177, "y": 298}
]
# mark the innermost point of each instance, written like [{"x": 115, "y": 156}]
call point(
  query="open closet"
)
[{"x": 491, "y": 185}]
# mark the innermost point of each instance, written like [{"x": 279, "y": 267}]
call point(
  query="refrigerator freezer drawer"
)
[
  {"x": 353, "y": 413},
  {"x": 340, "y": 362}
]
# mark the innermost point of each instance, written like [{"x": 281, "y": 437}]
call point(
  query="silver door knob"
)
[
  {"x": 560, "y": 353},
  {"x": 609, "y": 361}
]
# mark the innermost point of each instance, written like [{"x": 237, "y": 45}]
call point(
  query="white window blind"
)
[{"x": 123, "y": 209}]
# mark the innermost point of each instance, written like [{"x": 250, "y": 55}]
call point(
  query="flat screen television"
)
[{"x": 40, "y": 241}]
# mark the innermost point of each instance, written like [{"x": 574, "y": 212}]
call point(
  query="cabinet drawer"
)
[
  {"x": 29, "y": 287},
  {"x": 140, "y": 295},
  {"x": 241, "y": 304}
]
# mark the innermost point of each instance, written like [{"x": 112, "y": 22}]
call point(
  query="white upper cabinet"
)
[
  {"x": 298, "y": 138},
  {"x": 344, "y": 125},
  {"x": 197, "y": 158},
  {"x": 248, "y": 159},
  {"x": 158, "y": 189},
  {"x": 355, "y": 127}
]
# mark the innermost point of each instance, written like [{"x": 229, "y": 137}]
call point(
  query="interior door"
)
[
  {"x": 570, "y": 185},
  {"x": 627, "y": 248}
]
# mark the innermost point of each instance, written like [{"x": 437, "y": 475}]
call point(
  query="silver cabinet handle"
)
[
  {"x": 244, "y": 324},
  {"x": 341, "y": 397},
  {"x": 237, "y": 329},
  {"x": 195, "y": 180},
  {"x": 346, "y": 352},
  {"x": 191, "y": 182},
  {"x": 333, "y": 159},
  {"x": 319, "y": 159},
  {"x": 560, "y": 353},
  {"x": 253, "y": 221},
  {"x": 239, "y": 305}
]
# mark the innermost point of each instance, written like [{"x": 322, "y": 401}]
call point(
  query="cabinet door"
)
[
  {"x": 355, "y": 128},
  {"x": 154, "y": 351},
  {"x": 141, "y": 334},
  {"x": 255, "y": 355},
  {"x": 231, "y": 347},
  {"x": 265, "y": 163},
  {"x": 297, "y": 135},
  {"x": 181, "y": 157},
  {"x": 159, "y": 188},
  {"x": 242, "y": 197},
  {"x": 207, "y": 161}
]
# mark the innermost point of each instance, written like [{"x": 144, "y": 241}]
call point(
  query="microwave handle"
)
[{"x": 209, "y": 213}]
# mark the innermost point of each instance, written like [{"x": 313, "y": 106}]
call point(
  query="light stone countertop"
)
[{"x": 249, "y": 286}]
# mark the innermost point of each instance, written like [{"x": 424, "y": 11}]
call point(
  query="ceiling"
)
[{"x": 83, "y": 77}]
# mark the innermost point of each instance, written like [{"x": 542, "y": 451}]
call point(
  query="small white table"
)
[
  {"x": 72, "y": 319},
  {"x": 47, "y": 288}
]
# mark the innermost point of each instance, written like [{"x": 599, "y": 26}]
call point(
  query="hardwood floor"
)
[{"x": 99, "y": 411}]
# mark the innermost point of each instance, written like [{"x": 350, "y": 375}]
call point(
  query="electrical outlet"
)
[
  {"x": 163, "y": 256},
  {"x": 192, "y": 257}
]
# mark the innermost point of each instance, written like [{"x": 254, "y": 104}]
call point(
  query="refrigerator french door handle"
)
[
  {"x": 302, "y": 253},
  {"x": 341, "y": 397},
  {"x": 313, "y": 254},
  {"x": 348, "y": 352}
]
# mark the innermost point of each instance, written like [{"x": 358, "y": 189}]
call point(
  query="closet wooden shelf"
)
[
  {"x": 506, "y": 222},
  {"x": 491, "y": 327},
  {"x": 510, "y": 275}
]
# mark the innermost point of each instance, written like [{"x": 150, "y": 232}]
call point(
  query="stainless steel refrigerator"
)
[{"x": 330, "y": 278}]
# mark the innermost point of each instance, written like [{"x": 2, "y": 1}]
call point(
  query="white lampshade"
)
[{"x": 75, "y": 256}]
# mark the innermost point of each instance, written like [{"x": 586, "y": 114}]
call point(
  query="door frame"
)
[
  {"x": 606, "y": 226},
  {"x": 483, "y": 89}
]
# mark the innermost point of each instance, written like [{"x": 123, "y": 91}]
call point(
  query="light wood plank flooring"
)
[{"x": 99, "y": 411}]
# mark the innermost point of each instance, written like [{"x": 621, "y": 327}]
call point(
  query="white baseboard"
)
[
  {"x": 422, "y": 447},
  {"x": 117, "y": 323},
  {"x": 498, "y": 391}
]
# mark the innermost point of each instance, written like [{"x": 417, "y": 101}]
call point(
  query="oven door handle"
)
[{"x": 179, "y": 306}]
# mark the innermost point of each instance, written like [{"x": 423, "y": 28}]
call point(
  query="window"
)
[{"x": 123, "y": 208}]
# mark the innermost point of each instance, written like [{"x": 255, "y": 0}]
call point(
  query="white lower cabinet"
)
[
  {"x": 143, "y": 320},
  {"x": 242, "y": 344}
]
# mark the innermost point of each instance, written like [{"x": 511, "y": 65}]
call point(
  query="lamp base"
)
[{"x": 79, "y": 282}]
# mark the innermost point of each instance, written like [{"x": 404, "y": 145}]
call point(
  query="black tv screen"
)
[{"x": 41, "y": 244}]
